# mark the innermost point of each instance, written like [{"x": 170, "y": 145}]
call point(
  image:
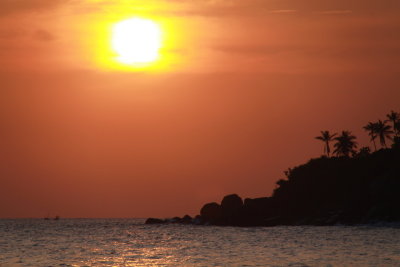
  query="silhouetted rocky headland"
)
[{"x": 361, "y": 189}]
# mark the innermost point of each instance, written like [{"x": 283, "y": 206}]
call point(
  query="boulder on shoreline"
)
[
  {"x": 231, "y": 204},
  {"x": 211, "y": 213}
]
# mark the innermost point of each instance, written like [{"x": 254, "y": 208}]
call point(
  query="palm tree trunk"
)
[
  {"x": 373, "y": 140},
  {"x": 383, "y": 142},
  {"x": 328, "y": 149},
  {"x": 396, "y": 133}
]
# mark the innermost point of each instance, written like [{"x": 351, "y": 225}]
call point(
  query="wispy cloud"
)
[
  {"x": 335, "y": 12},
  {"x": 283, "y": 11},
  {"x": 8, "y": 7}
]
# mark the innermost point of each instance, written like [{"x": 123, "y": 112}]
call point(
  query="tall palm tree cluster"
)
[{"x": 345, "y": 144}]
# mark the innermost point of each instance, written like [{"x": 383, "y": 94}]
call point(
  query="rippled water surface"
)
[{"x": 112, "y": 242}]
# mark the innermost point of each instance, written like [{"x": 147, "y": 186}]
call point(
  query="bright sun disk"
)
[{"x": 136, "y": 41}]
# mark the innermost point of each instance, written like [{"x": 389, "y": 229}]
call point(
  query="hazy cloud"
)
[
  {"x": 12, "y": 33},
  {"x": 283, "y": 11},
  {"x": 8, "y": 7},
  {"x": 208, "y": 7},
  {"x": 257, "y": 50},
  {"x": 254, "y": 7},
  {"x": 43, "y": 35}
]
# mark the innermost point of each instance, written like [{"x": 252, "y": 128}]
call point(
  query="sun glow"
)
[
  {"x": 136, "y": 41},
  {"x": 133, "y": 44}
]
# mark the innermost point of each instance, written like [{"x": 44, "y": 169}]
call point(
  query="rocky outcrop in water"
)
[{"x": 324, "y": 191}]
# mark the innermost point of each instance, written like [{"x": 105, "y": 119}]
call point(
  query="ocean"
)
[{"x": 129, "y": 242}]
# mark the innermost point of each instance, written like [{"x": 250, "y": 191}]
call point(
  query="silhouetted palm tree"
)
[
  {"x": 393, "y": 117},
  {"x": 397, "y": 127},
  {"x": 383, "y": 131},
  {"x": 371, "y": 128},
  {"x": 326, "y": 137},
  {"x": 345, "y": 144},
  {"x": 363, "y": 152}
]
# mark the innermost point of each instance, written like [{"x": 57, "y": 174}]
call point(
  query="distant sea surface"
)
[{"x": 128, "y": 242}]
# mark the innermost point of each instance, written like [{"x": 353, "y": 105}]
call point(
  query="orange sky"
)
[{"x": 241, "y": 90}]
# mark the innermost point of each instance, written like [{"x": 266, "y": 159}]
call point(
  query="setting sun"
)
[{"x": 136, "y": 41}]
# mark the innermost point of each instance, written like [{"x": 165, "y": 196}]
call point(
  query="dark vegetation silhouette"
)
[
  {"x": 326, "y": 137},
  {"x": 351, "y": 187},
  {"x": 371, "y": 129},
  {"x": 394, "y": 118},
  {"x": 384, "y": 132},
  {"x": 345, "y": 144},
  {"x": 397, "y": 129}
]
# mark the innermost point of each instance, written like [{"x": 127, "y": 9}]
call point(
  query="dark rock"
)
[
  {"x": 154, "y": 221},
  {"x": 263, "y": 206},
  {"x": 175, "y": 220},
  {"x": 273, "y": 221},
  {"x": 211, "y": 213},
  {"x": 198, "y": 220},
  {"x": 187, "y": 219},
  {"x": 232, "y": 212},
  {"x": 231, "y": 204}
]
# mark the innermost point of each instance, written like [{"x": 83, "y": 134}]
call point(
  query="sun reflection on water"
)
[{"x": 108, "y": 243}]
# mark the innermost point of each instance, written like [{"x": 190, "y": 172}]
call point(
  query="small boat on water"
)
[{"x": 56, "y": 218}]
